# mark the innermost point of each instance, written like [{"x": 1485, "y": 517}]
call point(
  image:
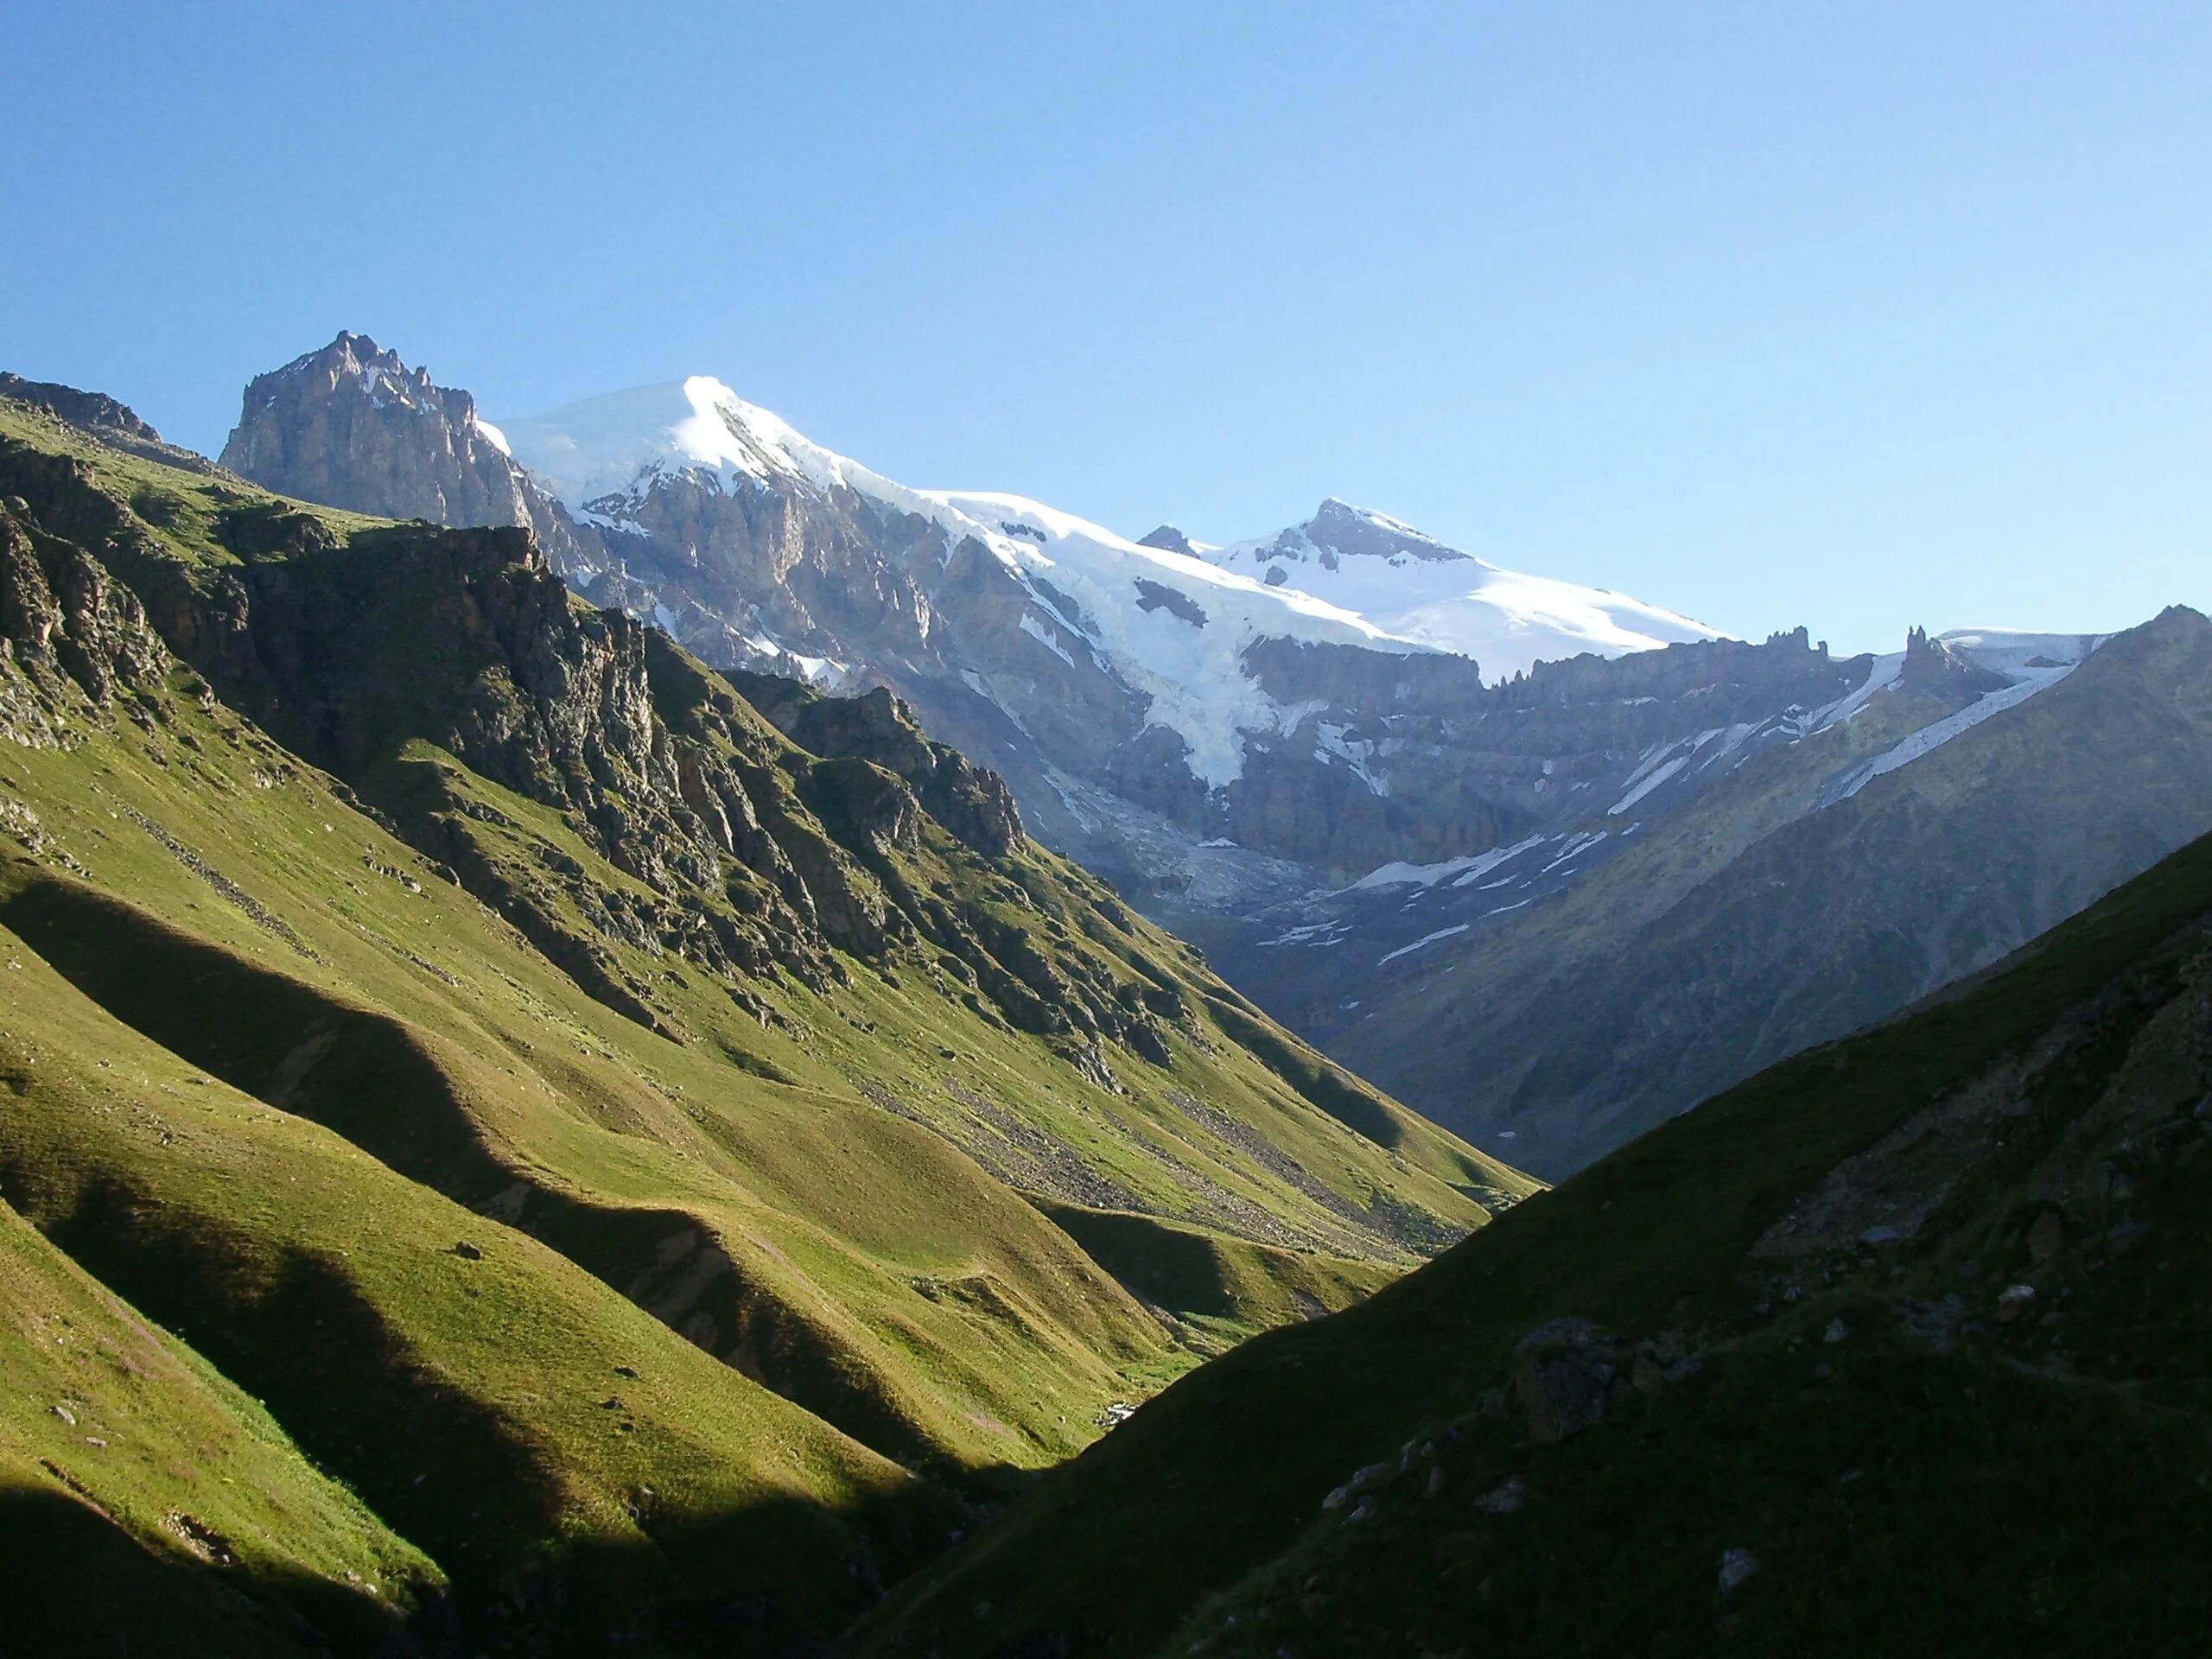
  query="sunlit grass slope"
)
[{"x": 862, "y": 1146}]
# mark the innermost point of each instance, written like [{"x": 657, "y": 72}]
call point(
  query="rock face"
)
[
  {"x": 351, "y": 426},
  {"x": 1561, "y": 995},
  {"x": 69, "y": 636}
]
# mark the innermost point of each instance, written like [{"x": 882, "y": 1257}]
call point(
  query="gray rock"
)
[{"x": 1502, "y": 1499}]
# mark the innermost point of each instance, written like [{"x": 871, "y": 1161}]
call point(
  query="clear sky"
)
[{"x": 1858, "y": 315}]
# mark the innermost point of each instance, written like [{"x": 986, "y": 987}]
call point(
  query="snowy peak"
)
[
  {"x": 1337, "y": 532},
  {"x": 1408, "y": 584},
  {"x": 615, "y": 444},
  {"x": 1347, "y": 574},
  {"x": 1343, "y": 530}
]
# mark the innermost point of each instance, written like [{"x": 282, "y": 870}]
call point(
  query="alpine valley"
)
[
  {"x": 1548, "y": 863},
  {"x": 621, "y": 1035}
]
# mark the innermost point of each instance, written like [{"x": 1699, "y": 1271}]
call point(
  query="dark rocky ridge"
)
[{"x": 95, "y": 411}]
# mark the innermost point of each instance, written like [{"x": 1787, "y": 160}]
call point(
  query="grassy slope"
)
[
  {"x": 1225, "y": 1472},
  {"x": 463, "y": 1398},
  {"x": 423, "y": 1076},
  {"x": 123, "y": 1446}
]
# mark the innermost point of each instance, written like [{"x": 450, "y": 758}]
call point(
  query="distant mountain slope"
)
[
  {"x": 1897, "y": 1347},
  {"x": 1557, "y": 996},
  {"x": 1196, "y": 731},
  {"x": 610, "y": 1137}
]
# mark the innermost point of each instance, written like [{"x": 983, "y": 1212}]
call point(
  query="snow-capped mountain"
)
[
  {"x": 1414, "y": 587},
  {"x": 1171, "y": 625},
  {"x": 1207, "y": 726},
  {"x": 1394, "y": 790}
]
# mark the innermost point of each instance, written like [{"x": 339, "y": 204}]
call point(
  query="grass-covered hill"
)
[
  {"x": 503, "y": 1146},
  {"x": 1903, "y": 1346}
]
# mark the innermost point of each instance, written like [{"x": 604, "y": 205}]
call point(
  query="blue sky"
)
[{"x": 1857, "y": 315}]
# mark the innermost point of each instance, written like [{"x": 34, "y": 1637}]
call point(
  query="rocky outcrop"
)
[
  {"x": 1932, "y": 669},
  {"x": 352, "y": 426},
  {"x": 71, "y": 637},
  {"x": 878, "y": 727}
]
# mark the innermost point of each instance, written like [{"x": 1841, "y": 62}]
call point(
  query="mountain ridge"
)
[{"x": 546, "y": 983}]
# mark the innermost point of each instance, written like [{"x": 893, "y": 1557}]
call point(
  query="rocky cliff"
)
[{"x": 352, "y": 426}]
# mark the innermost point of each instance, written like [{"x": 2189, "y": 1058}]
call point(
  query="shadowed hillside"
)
[{"x": 1899, "y": 1346}]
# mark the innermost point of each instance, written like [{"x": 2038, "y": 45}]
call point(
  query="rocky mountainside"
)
[
  {"x": 1897, "y": 1347},
  {"x": 1187, "y": 721},
  {"x": 1551, "y": 862},
  {"x": 533, "y": 1146},
  {"x": 1557, "y": 995},
  {"x": 351, "y": 426}
]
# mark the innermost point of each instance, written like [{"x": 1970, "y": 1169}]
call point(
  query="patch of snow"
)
[
  {"x": 1421, "y": 942},
  {"x": 1575, "y": 849},
  {"x": 1932, "y": 737},
  {"x": 1652, "y": 781},
  {"x": 492, "y": 436},
  {"x": 1399, "y": 874},
  {"x": 1884, "y": 672},
  {"x": 1045, "y": 636}
]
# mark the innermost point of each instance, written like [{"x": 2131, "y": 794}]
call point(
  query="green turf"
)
[{"x": 282, "y": 1058}]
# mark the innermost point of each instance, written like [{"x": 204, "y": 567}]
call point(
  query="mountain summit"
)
[{"x": 1415, "y": 588}]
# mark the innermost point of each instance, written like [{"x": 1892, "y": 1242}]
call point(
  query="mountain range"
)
[
  {"x": 500, "y": 1137},
  {"x": 516, "y": 1138},
  {"x": 1550, "y": 863}
]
